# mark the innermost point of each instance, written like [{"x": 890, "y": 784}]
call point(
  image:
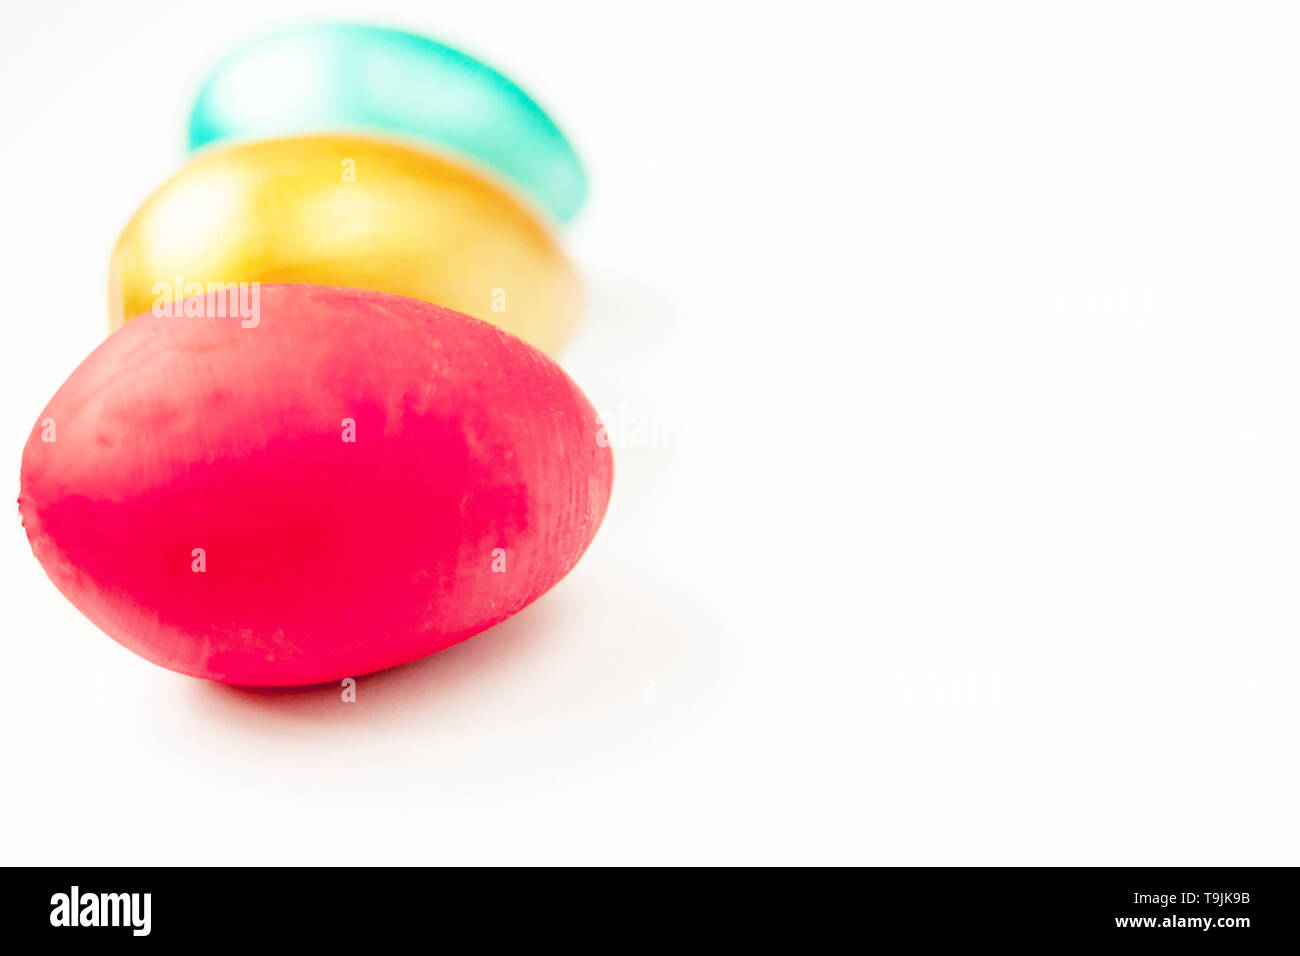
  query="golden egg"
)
[{"x": 347, "y": 210}]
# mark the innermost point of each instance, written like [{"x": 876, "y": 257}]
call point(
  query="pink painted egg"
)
[{"x": 311, "y": 484}]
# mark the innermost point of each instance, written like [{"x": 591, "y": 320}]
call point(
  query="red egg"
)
[{"x": 343, "y": 482}]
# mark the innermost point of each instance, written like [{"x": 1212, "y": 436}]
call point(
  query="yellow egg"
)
[{"x": 355, "y": 211}]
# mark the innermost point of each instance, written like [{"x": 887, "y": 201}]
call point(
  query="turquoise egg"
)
[{"x": 348, "y": 78}]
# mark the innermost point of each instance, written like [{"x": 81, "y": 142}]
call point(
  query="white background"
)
[{"x": 970, "y": 532}]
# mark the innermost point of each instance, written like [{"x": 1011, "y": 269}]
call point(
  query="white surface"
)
[{"x": 977, "y": 542}]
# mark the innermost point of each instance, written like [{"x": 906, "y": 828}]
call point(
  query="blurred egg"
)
[
  {"x": 337, "y": 483},
  {"x": 339, "y": 77},
  {"x": 354, "y": 211}
]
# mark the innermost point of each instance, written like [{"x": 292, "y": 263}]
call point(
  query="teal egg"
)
[{"x": 348, "y": 78}]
